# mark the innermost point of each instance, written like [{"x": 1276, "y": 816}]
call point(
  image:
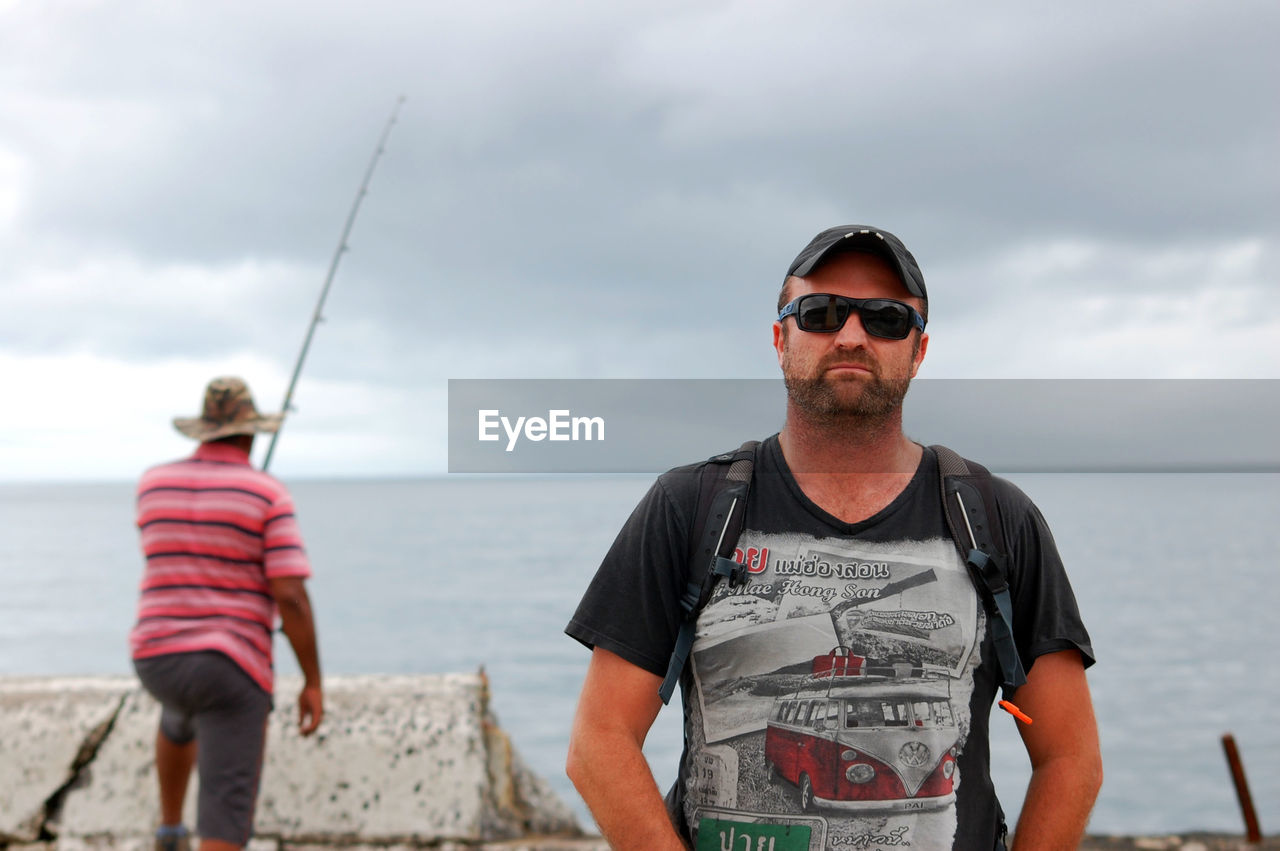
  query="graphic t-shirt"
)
[{"x": 840, "y": 697}]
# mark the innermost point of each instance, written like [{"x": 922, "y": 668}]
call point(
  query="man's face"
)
[{"x": 849, "y": 372}]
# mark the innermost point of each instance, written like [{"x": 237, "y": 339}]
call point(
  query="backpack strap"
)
[
  {"x": 973, "y": 516},
  {"x": 723, "y": 484}
]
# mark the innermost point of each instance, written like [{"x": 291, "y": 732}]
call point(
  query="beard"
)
[{"x": 868, "y": 400}]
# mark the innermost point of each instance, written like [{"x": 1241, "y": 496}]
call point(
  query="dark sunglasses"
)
[{"x": 826, "y": 314}]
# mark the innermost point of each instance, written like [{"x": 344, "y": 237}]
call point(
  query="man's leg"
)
[
  {"x": 174, "y": 762},
  {"x": 176, "y": 749},
  {"x": 209, "y": 844},
  {"x": 218, "y": 845},
  {"x": 232, "y": 736}
]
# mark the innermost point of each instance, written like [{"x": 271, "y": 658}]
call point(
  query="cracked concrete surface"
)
[
  {"x": 410, "y": 759},
  {"x": 48, "y": 728}
]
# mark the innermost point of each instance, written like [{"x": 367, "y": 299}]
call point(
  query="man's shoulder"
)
[
  {"x": 1014, "y": 509},
  {"x": 1012, "y": 500},
  {"x": 679, "y": 486},
  {"x": 683, "y": 475},
  {"x": 680, "y": 491},
  {"x": 195, "y": 474},
  {"x": 679, "y": 481},
  {"x": 166, "y": 472},
  {"x": 1007, "y": 494}
]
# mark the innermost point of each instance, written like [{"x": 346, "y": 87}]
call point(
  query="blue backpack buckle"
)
[{"x": 735, "y": 572}]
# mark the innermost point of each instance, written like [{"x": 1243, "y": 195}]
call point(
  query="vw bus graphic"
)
[{"x": 866, "y": 737}]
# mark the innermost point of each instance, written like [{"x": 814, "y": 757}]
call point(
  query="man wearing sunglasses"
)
[{"x": 839, "y": 697}]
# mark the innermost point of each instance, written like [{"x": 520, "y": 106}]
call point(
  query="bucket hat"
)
[{"x": 228, "y": 410}]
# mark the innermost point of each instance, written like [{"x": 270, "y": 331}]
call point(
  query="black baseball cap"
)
[{"x": 866, "y": 238}]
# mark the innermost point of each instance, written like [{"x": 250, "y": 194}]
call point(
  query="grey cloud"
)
[{"x": 604, "y": 178}]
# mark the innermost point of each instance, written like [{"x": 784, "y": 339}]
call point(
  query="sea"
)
[{"x": 1176, "y": 574}]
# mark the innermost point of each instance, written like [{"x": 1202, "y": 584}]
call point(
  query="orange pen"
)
[{"x": 1008, "y": 706}]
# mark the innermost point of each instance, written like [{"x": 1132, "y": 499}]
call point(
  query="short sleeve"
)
[
  {"x": 283, "y": 554},
  {"x": 1046, "y": 618},
  {"x": 632, "y": 606}
]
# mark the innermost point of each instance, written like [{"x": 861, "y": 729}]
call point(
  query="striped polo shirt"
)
[{"x": 214, "y": 530}]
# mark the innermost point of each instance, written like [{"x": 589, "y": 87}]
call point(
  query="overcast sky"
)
[{"x": 602, "y": 190}]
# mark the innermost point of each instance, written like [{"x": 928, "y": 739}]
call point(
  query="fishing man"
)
[
  {"x": 838, "y": 694},
  {"x": 223, "y": 556}
]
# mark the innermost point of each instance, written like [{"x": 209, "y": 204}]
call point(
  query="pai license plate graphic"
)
[{"x": 720, "y": 834}]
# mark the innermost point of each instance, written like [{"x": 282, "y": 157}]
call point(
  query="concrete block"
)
[
  {"x": 116, "y": 794},
  {"x": 525, "y": 802},
  {"x": 134, "y": 842},
  {"x": 409, "y": 759},
  {"x": 402, "y": 758},
  {"x": 46, "y": 727},
  {"x": 104, "y": 843},
  {"x": 397, "y": 757}
]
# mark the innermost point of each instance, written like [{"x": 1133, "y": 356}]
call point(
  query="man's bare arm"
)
[
  {"x": 290, "y": 594},
  {"x": 1066, "y": 763},
  {"x": 615, "y": 711}
]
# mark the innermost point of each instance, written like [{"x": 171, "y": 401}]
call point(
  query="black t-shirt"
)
[{"x": 840, "y": 698}]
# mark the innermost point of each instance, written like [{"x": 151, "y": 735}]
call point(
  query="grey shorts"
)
[{"x": 208, "y": 698}]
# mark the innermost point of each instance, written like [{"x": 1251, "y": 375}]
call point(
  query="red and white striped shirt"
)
[{"x": 214, "y": 531}]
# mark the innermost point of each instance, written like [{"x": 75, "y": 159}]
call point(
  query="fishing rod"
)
[{"x": 316, "y": 317}]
